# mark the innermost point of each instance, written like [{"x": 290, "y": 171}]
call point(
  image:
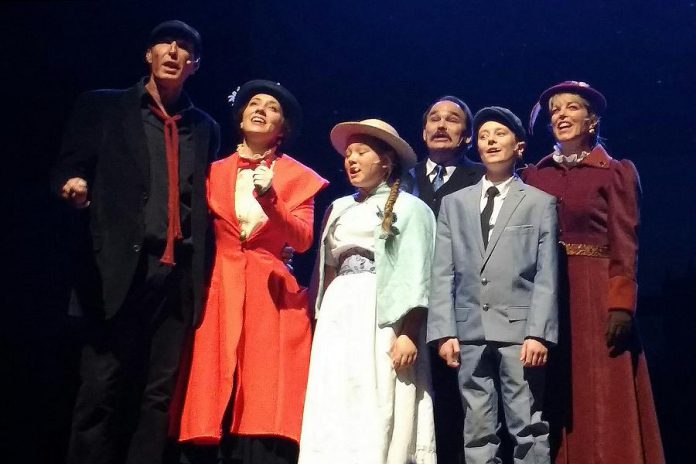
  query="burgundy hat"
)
[{"x": 597, "y": 101}]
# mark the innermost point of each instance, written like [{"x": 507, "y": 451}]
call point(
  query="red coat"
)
[
  {"x": 608, "y": 416},
  {"x": 256, "y": 329}
]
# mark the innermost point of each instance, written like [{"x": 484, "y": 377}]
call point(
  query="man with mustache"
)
[
  {"x": 134, "y": 164},
  {"x": 447, "y": 131},
  {"x": 447, "y": 136}
]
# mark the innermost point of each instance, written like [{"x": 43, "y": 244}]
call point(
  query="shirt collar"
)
[
  {"x": 598, "y": 158},
  {"x": 182, "y": 105},
  {"x": 430, "y": 166},
  {"x": 503, "y": 187},
  {"x": 382, "y": 190}
]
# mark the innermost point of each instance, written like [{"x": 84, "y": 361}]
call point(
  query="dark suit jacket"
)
[
  {"x": 105, "y": 144},
  {"x": 417, "y": 183}
]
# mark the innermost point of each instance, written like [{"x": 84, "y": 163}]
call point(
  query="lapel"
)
[
  {"x": 337, "y": 209},
  {"x": 512, "y": 201},
  {"x": 134, "y": 132},
  {"x": 201, "y": 144},
  {"x": 473, "y": 214},
  {"x": 222, "y": 184},
  {"x": 425, "y": 188},
  {"x": 464, "y": 175}
]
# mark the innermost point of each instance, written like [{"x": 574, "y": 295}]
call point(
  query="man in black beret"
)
[
  {"x": 133, "y": 164},
  {"x": 447, "y": 126}
]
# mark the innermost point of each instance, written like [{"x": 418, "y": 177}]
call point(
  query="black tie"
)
[{"x": 486, "y": 214}]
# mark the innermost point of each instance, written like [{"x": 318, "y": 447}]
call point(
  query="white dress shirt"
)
[
  {"x": 503, "y": 189},
  {"x": 430, "y": 166},
  {"x": 250, "y": 214}
]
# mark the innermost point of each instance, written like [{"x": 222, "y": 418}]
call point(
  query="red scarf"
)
[{"x": 171, "y": 144}]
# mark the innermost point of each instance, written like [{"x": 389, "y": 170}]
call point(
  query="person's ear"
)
[
  {"x": 519, "y": 148},
  {"x": 148, "y": 56},
  {"x": 196, "y": 62},
  {"x": 594, "y": 121}
]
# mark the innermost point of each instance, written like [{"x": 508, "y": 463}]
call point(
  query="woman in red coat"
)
[
  {"x": 250, "y": 356},
  {"x": 609, "y": 417}
]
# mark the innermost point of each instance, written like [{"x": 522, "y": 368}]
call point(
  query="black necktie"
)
[
  {"x": 486, "y": 214},
  {"x": 439, "y": 178}
]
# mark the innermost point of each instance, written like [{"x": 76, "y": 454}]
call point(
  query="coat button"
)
[
  {"x": 136, "y": 248},
  {"x": 484, "y": 281},
  {"x": 486, "y": 307}
]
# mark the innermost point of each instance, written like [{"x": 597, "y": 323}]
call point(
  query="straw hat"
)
[{"x": 374, "y": 128}]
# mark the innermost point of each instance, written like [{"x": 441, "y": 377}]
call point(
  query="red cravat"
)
[
  {"x": 171, "y": 145},
  {"x": 246, "y": 163}
]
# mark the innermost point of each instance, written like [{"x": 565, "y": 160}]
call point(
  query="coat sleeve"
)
[
  {"x": 623, "y": 222},
  {"x": 80, "y": 146},
  {"x": 415, "y": 253},
  {"x": 289, "y": 203},
  {"x": 441, "y": 321},
  {"x": 298, "y": 221},
  {"x": 542, "y": 321}
]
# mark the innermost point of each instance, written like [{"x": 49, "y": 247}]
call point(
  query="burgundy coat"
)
[{"x": 602, "y": 405}]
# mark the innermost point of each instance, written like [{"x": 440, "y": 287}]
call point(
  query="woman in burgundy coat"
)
[{"x": 608, "y": 416}]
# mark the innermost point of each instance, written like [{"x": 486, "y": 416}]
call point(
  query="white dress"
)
[{"x": 358, "y": 409}]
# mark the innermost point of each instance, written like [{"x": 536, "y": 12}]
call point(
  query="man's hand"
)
[
  {"x": 534, "y": 353},
  {"x": 448, "y": 349},
  {"x": 263, "y": 175},
  {"x": 403, "y": 352},
  {"x": 75, "y": 191}
]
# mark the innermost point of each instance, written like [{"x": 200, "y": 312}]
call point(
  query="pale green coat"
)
[{"x": 403, "y": 262}]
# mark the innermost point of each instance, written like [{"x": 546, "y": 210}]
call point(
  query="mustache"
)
[{"x": 440, "y": 133}]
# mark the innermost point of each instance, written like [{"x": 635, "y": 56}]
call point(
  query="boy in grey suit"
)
[{"x": 493, "y": 305}]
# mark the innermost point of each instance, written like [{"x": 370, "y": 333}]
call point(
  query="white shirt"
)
[
  {"x": 503, "y": 187},
  {"x": 250, "y": 214},
  {"x": 430, "y": 166},
  {"x": 355, "y": 228}
]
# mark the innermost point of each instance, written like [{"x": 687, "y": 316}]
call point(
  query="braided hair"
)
[
  {"x": 394, "y": 181},
  {"x": 389, "y": 208}
]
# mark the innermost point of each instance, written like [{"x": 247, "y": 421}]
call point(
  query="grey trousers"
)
[{"x": 491, "y": 371}]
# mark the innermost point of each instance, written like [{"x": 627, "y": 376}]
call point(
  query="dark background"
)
[{"x": 345, "y": 61}]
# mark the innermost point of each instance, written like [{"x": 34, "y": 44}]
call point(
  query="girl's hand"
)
[{"x": 403, "y": 352}]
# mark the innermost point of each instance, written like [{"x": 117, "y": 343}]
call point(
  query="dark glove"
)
[{"x": 618, "y": 330}]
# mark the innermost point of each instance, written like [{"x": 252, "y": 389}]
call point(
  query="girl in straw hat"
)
[{"x": 367, "y": 399}]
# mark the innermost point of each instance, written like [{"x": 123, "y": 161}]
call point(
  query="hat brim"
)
[
  {"x": 292, "y": 111},
  {"x": 176, "y": 28},
  {"x": 597, "y": 101},
  {"x": 343, "y": 131}
]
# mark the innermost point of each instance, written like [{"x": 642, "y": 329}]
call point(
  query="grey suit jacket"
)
[{"x": 507, "y": 291}]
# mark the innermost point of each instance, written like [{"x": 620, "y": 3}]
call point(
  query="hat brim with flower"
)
[{"x": 598, "y": 102}]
